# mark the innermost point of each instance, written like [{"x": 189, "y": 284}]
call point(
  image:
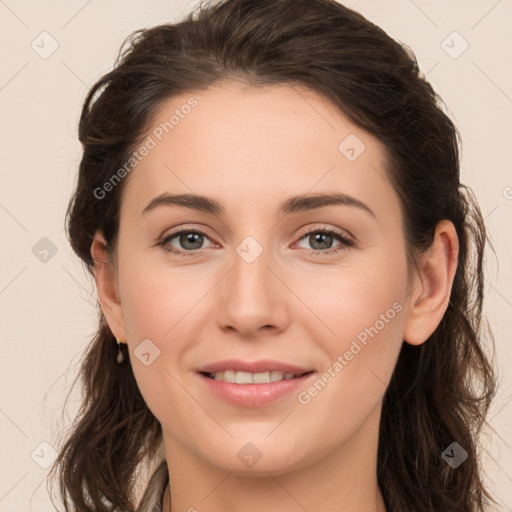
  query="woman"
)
[{"x": 289, "y": 273}]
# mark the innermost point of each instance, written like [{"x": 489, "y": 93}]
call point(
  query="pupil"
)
[
  {"x": 319, "y": 237},
  {"x": 191, "y": 238}
]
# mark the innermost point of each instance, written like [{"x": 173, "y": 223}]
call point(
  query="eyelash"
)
[{"x": 345, "y": 242}]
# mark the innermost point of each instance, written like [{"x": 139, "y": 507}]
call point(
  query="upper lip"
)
[{"x": 263, "y": 365}]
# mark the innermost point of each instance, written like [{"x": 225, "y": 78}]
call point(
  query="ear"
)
[
  {"x": 431, "y": 290},
  {"x": 106, "y": 284}
]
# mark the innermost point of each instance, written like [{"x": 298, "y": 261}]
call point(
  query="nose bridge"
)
[
  {"x": 250, "y": 272},
  {"x": 251, "y": 297}
]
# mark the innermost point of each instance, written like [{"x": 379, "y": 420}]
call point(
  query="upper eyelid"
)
[{"x": 336, "y": 231}]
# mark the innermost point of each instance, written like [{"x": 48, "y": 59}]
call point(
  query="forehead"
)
[{"x": 247, "y": 143}]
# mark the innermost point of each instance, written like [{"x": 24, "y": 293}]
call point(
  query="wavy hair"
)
[{"x": 440, "y": 391}]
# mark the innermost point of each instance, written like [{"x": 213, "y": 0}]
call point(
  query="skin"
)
[{"x": 250, "y": 149}]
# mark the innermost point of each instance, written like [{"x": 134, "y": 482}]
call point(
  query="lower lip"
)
[{"x": 254, "y": 395}]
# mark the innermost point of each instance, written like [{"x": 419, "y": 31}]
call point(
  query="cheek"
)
[
  {"x": 360, "y": 300},
  {"x": 158, "y": 307},
  {"x": 359, "y": 312},
  {"x": 157, "y": 300},
  {"x": 361, "y": 356}
]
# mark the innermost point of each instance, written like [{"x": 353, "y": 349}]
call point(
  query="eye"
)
[
  {"x": 321, "y": 241},
  {"x": 191, "y": 240}
]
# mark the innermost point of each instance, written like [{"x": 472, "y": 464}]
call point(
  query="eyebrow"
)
[{"x": 293, "y": 204}]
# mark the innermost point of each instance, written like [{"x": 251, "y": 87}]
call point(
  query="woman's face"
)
[{"x": 265, "y": 269}]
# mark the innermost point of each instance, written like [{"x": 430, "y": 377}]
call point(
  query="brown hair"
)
[{"x": 440, "y": 391}]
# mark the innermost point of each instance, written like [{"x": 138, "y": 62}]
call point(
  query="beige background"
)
[{"x": 48, "y": 308}]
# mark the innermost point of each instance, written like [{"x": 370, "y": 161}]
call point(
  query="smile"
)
[
  {"x": 246, "y": 389},
  {"x": 240, "y": 377}
]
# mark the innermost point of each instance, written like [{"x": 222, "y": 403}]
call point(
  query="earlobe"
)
[
  {"x": 106, "y": 284},
  {"x": 430, "y": 295}
]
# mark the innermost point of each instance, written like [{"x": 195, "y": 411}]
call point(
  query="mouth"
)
[
  {"x": 253, "y": 390},
  {"x": 241, "y": 377},
  {"x": 254, "y": 383}
]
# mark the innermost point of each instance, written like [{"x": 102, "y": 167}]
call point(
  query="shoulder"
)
[{"x": 154, "y": 494}]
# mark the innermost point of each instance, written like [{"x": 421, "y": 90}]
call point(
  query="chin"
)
[{"x": 259, "y": 457}]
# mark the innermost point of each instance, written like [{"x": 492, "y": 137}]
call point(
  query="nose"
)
[{"x": 253, "y": 297}]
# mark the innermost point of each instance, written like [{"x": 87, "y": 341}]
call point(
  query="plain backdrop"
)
[{"x": 52, "y": 53}]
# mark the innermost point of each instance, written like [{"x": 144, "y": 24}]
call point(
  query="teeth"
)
[
  {"x": 252, "y": 378},
  {"x": 243, "y": 378}
]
